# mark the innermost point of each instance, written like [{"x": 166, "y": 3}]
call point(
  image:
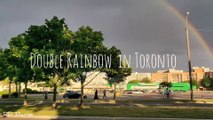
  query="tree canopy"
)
[{"x": 55, "y": 38}]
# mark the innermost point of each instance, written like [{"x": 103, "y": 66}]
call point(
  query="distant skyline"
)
[{"x": 144, "y": 26}]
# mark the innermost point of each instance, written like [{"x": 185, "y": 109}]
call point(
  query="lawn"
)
[{"x": 111, "y": 111}]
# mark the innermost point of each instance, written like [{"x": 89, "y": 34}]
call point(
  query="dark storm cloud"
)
[{"x": 144, "y": 26}]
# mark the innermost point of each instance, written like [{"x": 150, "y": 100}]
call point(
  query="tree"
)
[
  {"x": 54, "y": 38},
  {"x": 117, "y": 73},
  {"x": 135, "y": 81},
  {"x": 165, "y": 85},
  {"x": 146, "y": 80},
  {"x": 8, "y": 68},
  {"x": 86, "y": 42},
  {"x": 206, "y": 82},
  {"x": 20, "y": 53}
]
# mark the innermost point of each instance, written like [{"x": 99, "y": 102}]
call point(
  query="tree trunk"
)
[
  {"x": 115, "y": 92},
  {"x": 54, "y": 96},
  {"x": 10, "y": 82},
  {"x": 82, "y": 93},
  {"x": 19, "y": 89},
  {"x": 25, "y": 94},
  {"x": 16, "y": 87}
]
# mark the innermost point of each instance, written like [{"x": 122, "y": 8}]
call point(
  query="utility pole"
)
[{"x": 188, "y": 55}]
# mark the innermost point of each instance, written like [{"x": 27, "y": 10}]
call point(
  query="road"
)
[{"x": 146, "y": 96}]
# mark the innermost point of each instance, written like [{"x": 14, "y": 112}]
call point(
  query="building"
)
[
  {"x": 138, "y": 76},
  {"x": 173, "y": 75},
  {"x": 94, "y": 80},
  {"x": 209, "y": 74}
]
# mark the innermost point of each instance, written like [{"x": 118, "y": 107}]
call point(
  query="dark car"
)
[{"x": 71, "y": 94}]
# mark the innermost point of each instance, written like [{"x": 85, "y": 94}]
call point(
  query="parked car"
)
[
  {"x": 128, "y": 92},
  {"x": 137, "y": 92},
  {"x": 72, "y": 94}
]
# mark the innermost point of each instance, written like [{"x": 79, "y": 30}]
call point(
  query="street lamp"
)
[
  {"x": 189, "y": 55},
  {"x": 83, "y": 78}
]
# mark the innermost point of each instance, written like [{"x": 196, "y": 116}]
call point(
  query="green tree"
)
[
  {"x": 146, "y": 80},
  {"x": 165, "y": 85},
  {"x": 135, "y": 81},
  {"x": 54, "y": 38},
  {"x": 8, "y": 67},
  {"x": 19, "y": 50},
  {"x": 118, "y": 71},
  {"x": 206, "y": 82},
  {"x": 86, "y": 42}
]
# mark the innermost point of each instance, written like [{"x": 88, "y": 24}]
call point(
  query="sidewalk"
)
[{"x": 88, "y": 118}]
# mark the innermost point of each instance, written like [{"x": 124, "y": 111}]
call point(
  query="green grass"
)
[
  {"x": 118, "y": 111},
  {"x": 167, "y": 101}
]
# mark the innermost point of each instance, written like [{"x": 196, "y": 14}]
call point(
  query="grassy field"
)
[{"x": 118, "y": 111}]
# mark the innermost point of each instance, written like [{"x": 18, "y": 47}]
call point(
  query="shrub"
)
[
  {"x": 5, "y": 96},
  {"x": 146, "y": 80},
  {"x": 28, "y": 90},
  {"x": 206, "y": 82},
  {"x": 165, "y": 85},
  {"x": 35, "y": 91}
]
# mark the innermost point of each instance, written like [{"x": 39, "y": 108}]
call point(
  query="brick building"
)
[{"x": 173, "y": 75}]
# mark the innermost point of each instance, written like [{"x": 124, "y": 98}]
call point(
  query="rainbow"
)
[{"x": 192, "y": 28}]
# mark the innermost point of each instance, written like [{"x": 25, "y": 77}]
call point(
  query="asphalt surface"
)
[{"x": 91, "y": 118}]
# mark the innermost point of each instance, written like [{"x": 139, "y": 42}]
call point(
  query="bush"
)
[
  {"x": 146, "y": 80},
  {"x": 206, "y": 82},
  {"x": 5, "y": 96},
  {"x": 35, "y": 91},
  {"x": 13, "y": 95},
  {"x": 165, "y": 85},
  {"x": 135, "y": 81},
  {"x": 30, "y": 91}
]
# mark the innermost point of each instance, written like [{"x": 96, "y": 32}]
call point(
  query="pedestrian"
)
[
  {"x": 168, "y": 92},
  {"x": 96, "y": 95},
  {"x": 46, "y": 95},
  {"x": 104, "y": 94}
]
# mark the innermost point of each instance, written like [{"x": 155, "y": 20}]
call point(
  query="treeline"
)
[{"x": 54, "y": 37}]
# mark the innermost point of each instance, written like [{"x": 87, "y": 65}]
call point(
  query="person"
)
[
  {"x": 104, "y": 94},
  {"x": 45, "y": 95},
  {"x": 168, "y": 92},
  {"x": 96, "y": 95}
]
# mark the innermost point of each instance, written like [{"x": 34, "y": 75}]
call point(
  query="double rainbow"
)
[{"x": 192, "y": 28}]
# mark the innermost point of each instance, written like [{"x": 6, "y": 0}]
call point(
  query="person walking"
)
[
  {"x": 96, "y": 95},
  {"x": 104, "y": 94}
]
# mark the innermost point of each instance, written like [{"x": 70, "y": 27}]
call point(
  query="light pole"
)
[
  {"x": 188, "y": 55},
  {"x": 82, "y": 78}
]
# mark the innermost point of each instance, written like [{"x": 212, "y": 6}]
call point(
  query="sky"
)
[{"x": 144, "y": 26}]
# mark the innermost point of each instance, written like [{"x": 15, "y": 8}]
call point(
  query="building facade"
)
[{"x": 173, "y": 75}]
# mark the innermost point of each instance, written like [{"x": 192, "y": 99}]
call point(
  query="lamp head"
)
[{"x": 187, "y": 13}]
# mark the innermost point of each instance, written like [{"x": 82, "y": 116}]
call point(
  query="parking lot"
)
[{"x": 136, "y": 96}]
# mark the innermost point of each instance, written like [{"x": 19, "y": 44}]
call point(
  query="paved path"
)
[{"x": 89, "y": 118}]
